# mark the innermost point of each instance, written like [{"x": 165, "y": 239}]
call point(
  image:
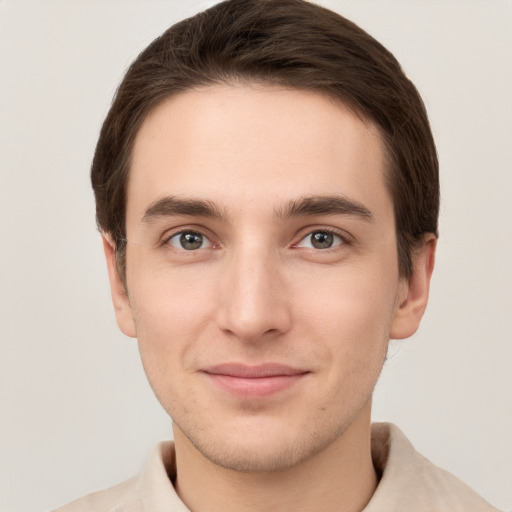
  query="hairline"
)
[{"x": 240, "y": 79}]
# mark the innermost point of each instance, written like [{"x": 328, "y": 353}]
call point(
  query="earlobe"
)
[
  {"x": 414, "y": 295},
  {"x": 120, "y": 299}
]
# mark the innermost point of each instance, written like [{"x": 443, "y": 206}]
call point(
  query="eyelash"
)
[
  {"x": 340, "y": 234},
  {"x": 167, "y": 239},
  {"x": 344, "y": 237}
]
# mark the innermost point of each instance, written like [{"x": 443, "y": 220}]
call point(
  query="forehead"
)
[{"x": 255, "y": 145}]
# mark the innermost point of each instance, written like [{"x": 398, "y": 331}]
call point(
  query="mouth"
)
[{"x": 254, "y": 381}]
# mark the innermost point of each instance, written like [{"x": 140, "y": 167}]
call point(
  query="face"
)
[{"x": 262, "y": 274}]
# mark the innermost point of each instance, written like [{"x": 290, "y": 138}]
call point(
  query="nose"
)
[{"x": 254, "y": 303}]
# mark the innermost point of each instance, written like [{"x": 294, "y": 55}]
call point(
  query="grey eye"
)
[
  {"x": 320, "y": 240},
  {"x": 189, "y": 241}
]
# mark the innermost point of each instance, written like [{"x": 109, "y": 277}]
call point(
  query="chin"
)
[
  {"x": 256, "y": 457},
  {"x": 260, "y": 447}
]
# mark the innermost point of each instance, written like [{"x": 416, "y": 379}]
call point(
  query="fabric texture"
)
[{"x": 408, "y": 482}]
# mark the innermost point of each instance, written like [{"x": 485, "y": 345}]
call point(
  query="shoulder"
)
[
  {"x": 411, "y": 482},
  {"x": 151, "y": 490},
  {"x": 122, "y": 497}
]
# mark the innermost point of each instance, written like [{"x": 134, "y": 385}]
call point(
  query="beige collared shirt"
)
[{"x": 408, "y": 482}]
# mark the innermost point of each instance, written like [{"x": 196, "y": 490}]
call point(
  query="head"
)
[
  {"x": 266, "y": 183},
  {"x": 290, "y": 43}
]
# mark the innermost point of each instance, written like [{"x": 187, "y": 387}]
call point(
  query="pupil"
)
[
  {"x": 191, "y": 241},
  {"x": 322, "y": 240}
]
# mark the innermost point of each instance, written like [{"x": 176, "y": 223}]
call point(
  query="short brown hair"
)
[{"x": 291, "y": 43}]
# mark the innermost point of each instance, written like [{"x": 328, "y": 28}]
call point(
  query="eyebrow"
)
[
  {"x": 325, "y": 205},
  {"x": 171, "y": 206}
]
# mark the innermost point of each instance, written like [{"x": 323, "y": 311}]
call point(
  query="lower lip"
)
[{"x": 255, "y": 387}]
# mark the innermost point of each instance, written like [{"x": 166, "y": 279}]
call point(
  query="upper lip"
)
[{"x": 253, "y": 372}]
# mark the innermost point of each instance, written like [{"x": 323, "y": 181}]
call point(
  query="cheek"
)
[
  {"x": 351, "y": 317},
  {"x": 171, "y": 310},
  {"x": 169, "y": 318},
  {"x": 350, "y": 304}
]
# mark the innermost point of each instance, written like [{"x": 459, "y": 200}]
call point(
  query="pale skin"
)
[{"x": 260, "y": 232}]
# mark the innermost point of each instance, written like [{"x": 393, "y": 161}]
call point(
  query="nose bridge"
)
[{"x": 254, "y": 301}]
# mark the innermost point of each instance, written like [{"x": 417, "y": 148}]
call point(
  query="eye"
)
[
  {"x": 321, "y": 240},
  {"x": 189, "y": 241}
]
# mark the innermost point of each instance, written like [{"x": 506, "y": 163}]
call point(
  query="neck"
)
[{"x": 341, "y": 477}]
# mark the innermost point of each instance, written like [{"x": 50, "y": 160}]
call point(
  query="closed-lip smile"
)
[{"x": 257, "y": 381}]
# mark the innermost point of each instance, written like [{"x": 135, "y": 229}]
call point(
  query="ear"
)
[
  {"x": 413, "y": 293},
  {"x": 120, "y": 299}
]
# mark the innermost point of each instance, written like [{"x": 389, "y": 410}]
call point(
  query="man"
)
[{"x": 267, "y": 190}]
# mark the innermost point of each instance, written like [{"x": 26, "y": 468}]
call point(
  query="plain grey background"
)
[{"x": 76, "y": 412}]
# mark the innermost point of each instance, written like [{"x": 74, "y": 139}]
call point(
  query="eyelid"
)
[
  {"x": 206, "y": 242},
  {"x": 301, "y": 234},
  {"x": 346, "y": 238},
  {"x": 199, "y": 230}
]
